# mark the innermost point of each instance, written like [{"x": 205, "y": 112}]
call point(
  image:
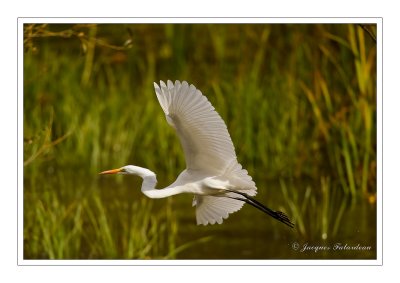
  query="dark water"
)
[{"x": 251, "y": 234}]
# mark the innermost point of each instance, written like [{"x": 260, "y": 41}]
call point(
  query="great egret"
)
[{"x": 219, "y": 183}]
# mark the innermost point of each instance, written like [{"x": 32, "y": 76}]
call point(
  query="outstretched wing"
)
[{"x": 202, "y": 132}]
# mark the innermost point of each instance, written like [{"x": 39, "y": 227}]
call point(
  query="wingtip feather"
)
[
  {"x": 162, "y": 84},
  {"x": 170, "y": 84}
]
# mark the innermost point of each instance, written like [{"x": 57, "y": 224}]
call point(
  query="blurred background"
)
[{"x": 299, "y": 101}]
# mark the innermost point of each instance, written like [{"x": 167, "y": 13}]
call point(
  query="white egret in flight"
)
[{"x": 213, "y": 175}]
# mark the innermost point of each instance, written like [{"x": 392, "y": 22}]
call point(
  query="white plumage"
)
[{"x": 202, "y": 132}]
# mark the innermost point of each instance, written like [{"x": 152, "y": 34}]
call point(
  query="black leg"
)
[{"x": 278, "y": 215}]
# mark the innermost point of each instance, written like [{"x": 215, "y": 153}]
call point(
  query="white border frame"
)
[{"x": 301, "y": 262}]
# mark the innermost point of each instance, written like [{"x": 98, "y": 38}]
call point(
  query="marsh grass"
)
[
  {"x": 318, "y": 209},
  {"x": 299, "y": 102},
  {"x": 92, "y": 226}
]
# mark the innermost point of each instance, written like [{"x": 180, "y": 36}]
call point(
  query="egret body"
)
[{"x": 213, "y": 175}]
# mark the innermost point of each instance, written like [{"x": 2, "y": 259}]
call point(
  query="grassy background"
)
[{"x": 299, "y": 102}]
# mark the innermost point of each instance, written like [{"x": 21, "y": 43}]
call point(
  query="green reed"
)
[
  {"x": 317, "y": 209},
  {"x": 88, "y": 224}
]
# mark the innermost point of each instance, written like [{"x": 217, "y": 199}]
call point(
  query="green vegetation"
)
[{"x": 299, "y": 102}]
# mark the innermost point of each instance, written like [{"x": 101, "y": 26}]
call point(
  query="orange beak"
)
[{"x": 113, "y": 171}]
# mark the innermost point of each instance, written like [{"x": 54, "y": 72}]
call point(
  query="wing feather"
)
[
  {"x": 213, "y": 209},
  {"x": 207, "y": 146},
  {"x": 202, "y": 132}
]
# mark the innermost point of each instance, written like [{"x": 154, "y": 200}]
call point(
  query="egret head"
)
[{"x": 129, "y": 170}]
